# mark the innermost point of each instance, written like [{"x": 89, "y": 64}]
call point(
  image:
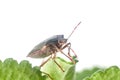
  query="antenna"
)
[{"x": 74, "y": 30}]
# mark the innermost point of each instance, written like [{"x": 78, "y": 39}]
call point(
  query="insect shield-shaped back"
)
[{"x": 46, "y": 48}]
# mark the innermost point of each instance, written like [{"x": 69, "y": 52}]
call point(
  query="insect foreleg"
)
[
  {"x": 69, "y": 48},
  {"x": 64, "y": 54},
  {"x": 67, "y": 56},
  {"x": 66, "y": 45},
  {"x": 73, "y": 51}
]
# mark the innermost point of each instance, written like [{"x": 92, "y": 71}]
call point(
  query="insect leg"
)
[
  {"x": 66, "y": 45},
  {"x": 69, "y": 48},
  {"x": 64, "y": 53},
  {"x": 43, "y": 64},
  {"x": 45, "y": 61},
  {"x": 67, "y": 56},
  {"x": 56, "y": 62},
  {"x": 73, "y": 51}
]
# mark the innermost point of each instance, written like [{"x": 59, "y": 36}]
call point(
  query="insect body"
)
[
  {"x": 50, "y": 47},
  {"x": 46, "y": 47}
]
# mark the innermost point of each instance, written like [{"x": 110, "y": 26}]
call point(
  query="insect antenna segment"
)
[{"x": 74, "y": 30}]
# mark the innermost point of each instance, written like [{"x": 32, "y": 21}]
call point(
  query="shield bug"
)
[{"x": 51, "y": 46}]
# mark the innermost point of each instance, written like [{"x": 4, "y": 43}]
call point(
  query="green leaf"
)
[
  {"x": 11, "y": 70},
  {"x": 69, "y": 73},
  {"x": 86, "y": 73},
  {"x": 10, "y": 63},
  {"x": 111, "y": 73},
  {"x": 56, "y": 73}
]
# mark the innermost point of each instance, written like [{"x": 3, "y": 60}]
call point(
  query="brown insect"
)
[{"x": 51, "y": 46}]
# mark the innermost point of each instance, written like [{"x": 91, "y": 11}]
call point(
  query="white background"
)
[{"x": 25, "y": 23}]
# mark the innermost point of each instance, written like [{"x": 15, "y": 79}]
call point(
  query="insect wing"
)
[
  {"x": 42, "y": 49},
  {"x": 38, "y": 50}
]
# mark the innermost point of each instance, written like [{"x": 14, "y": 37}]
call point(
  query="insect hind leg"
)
[
  {"x": 45, "y": 61},
  {"x": 58, "y": 65},
  {"x": 54, "y": 56}
]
